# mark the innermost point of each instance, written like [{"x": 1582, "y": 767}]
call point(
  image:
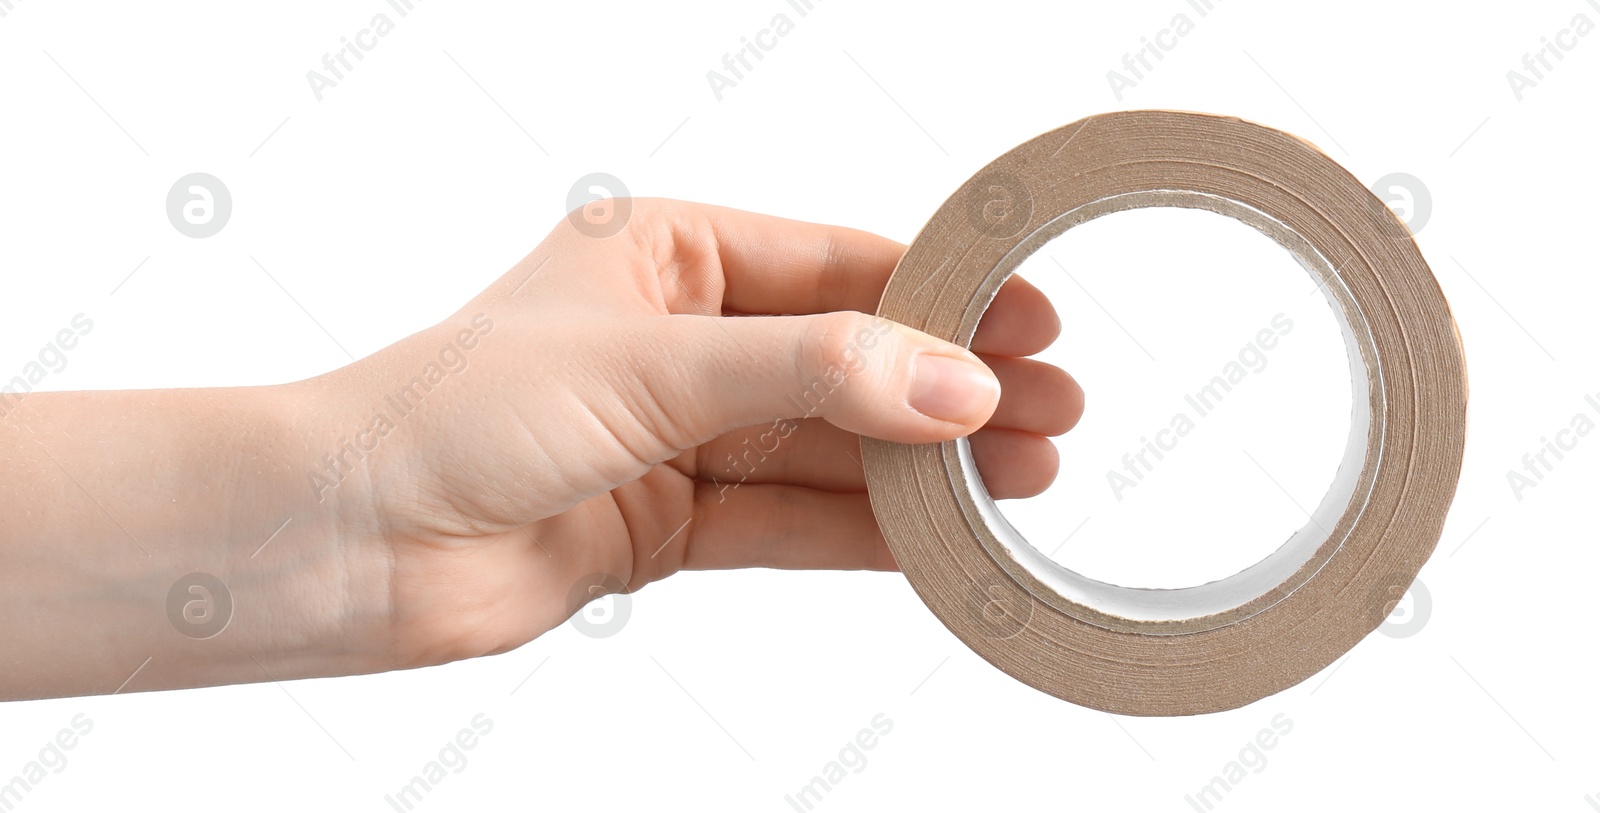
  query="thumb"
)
[{"x": 864, "y": 374}]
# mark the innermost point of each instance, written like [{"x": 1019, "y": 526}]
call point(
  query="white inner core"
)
[{"x": 1222, "y": 595}]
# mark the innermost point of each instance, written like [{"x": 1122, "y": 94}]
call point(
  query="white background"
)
[{"x": 447, "y": 154}]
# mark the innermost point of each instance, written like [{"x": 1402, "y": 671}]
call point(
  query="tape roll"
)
[{"x": 1230, "y": 642}]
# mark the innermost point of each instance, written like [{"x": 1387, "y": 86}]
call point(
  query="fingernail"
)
[{"x": 952, "y": 389}]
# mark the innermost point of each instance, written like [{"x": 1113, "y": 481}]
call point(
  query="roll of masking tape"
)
[{"x": 1230, "y": 642}]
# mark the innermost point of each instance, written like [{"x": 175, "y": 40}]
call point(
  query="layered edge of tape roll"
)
[{"x": 1227, "y": 643}]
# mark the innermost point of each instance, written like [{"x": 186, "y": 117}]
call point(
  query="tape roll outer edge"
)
[{"x": 1417, "y": 385}]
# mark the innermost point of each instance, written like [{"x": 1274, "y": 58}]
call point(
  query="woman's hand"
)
[
  {"x": 616, "y": 409},
  {"x": 611, "y": 411}
]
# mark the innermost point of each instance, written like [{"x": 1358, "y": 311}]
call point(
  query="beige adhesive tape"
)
[{"x": 1230, "y": 642}]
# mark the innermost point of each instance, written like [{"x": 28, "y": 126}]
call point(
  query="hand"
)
[
  {"x": 609, "y": 412},
  {"x": 614, "y": 410}
]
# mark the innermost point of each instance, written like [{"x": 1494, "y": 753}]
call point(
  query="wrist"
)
[{"x": 333, "y": 567}]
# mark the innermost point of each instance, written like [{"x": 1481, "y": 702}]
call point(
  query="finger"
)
[
  {"x": 808, "y": 452},
  {"x": 822, "y": 456},
  {"x": 683, "y": 380},
  {"x": 776, "y": 265},
  {"x": 1014, "y": 464},
  {"x": 786, "y": 527},
  {"x": 1035, "y": 396},
  {"x": 1019, "y": 322},
  {"x": 773, "y": 265}
]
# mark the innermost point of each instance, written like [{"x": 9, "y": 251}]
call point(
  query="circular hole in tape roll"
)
[{"x": 1226, "y": 643}]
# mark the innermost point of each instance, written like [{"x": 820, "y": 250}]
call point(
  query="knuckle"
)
[
  {"x": 835, "y": 344},
  {"x": 654, "y": 220},
  {"x": 605, "y": 217}
]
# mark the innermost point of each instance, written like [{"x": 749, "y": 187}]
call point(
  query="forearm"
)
[{"x": 111, "y": 499}]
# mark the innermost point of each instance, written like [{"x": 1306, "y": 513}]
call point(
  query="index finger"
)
[{"x": 774, "y": 265}]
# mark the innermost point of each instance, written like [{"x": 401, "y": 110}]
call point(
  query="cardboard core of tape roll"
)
[{"x": 1229, "y": 642}]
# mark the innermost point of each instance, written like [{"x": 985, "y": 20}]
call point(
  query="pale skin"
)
[{"x": 580, "y": 429}]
